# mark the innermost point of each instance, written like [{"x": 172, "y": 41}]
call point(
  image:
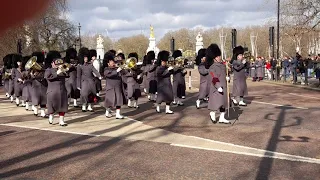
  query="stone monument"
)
[
  {"x": 100, "y": 48},
  {"x": 152, "y": 42},
  {"x": 199, "y": 43}
]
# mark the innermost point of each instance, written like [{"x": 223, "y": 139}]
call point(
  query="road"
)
[{"x": 276, "y": 136}]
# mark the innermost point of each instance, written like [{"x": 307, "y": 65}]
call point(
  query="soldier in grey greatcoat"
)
[
  {"x": 57, "y": 96},
  {"x": 86, "y": 74},
  {"x": 144, "y": 75},
  {"x": 27, "y": 84},
  {"x": 253, "y": 72},
  {"x": 11, "y": 81},
  {"x": 6, "y": 73},
  {"x": 151, "y": 75},
  {"x": 134, "y": 78},
  {"x": 39, "y": 83},
  {"x": 114, "y": 97},
  {"x": 16, "y": 75},
  {"x": 239, "y": 78},
  {"x": 218, "y": 89},
  {"x": 259, "y": 69},
  {"x": 165, "y": 90},
  {"x": 204, "y": 74},
  {"x": 179, "y": 83},
  {"x": 96, "y": 64},
  {"x": 71, "y": 80}
]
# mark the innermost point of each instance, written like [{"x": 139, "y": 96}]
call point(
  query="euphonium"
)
[
  {"x": 32, "y": 64},
  {"x": 179, "y": 62}
]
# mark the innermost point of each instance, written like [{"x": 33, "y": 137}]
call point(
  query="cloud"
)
[{"x": 130, "y": 17}]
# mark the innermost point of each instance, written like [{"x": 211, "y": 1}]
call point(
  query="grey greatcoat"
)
[
  {"x": 144, "y": 81},
  {"x": 57, "y": 98},
  {"x": 27, "y": 86},
  {"x": 204, "y": 87},
  {"x": 259, "y": 68},
  {"x": 253, "y": 72},
  {"x": 39, "y": 88},
  {"x": 18, "y": 85},
  {"x": 239, "y": 79},
  {"x": 165, "y": 91},
  {"x": 11, "y": 84},
  {"x": 114, "y": 88},
  {"x": 217, "y": 100},
  {"x": 151, "y": 78},
  {"x": 71, "y": 84},
  {"x": 86, "y": 82},
  {"x": 179, "y": 83},
  {"x": 6, "y": 79},
  {"x": 133, "y": 87}
]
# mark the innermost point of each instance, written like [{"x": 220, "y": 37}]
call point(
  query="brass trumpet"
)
[
  {"x": 64, "y": 67},
  {"x": 129, "y": 63},
  {"x": 32, "y": 64}
]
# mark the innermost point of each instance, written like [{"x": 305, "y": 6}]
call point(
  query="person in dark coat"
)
[
  {"x": 96, "y": 64},
  {"x": 27, "y": 84},
  {"x": 259, "y": 69},
  {"x": 11, "y": 81},
  {"x": 204, "y": 77},
  {"x": 39, "y": 83},
  {"x": 57, "y": 95},
  {"x": 151, "y": 75},
  {"x": 144, "y": 77},
  {"x": 218, "y": 90},
  {"x": 134, "y": 79},
  {"x": 114, "y": 96},
  {"x": 6, "y": 73},
  {"x": 85, "y": 79},
  {"x": 239, "y": 76},
  {"x": 253, "y": 71},
  {"x": 71, "y": 80},
  {"x": 17, "y": 72},
  {"x": 120, "y": 59},
  {"x": 179, "y": 83},
  {"x": 165, "y": 91}
]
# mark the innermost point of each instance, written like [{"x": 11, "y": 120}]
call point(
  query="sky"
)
[{"x": 122, "y": 18}]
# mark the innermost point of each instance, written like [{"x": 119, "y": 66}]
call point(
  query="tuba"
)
[
  {"x": 130, "y": 63},
  {"x": 32, "y": 64}
]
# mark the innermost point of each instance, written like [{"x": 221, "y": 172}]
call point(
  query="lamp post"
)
[
  {"x": 19, "y": 46},
  {"x": 278, "y": 30},
  {"x": 172, "y": 45},
  {"x": 79, "y": 26}
]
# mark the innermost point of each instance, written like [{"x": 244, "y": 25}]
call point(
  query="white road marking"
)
[
  {"x": 279, "y": 105},
  {"x": 272, "y": 154},
  {"x": 53, "y": 130},
  {"x": 312, "y": 97}
]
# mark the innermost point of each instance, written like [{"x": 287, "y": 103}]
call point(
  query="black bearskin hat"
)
[
  {"x": 5, "y": 61},
  {"x": 108, "y": 56},
  {"x": 236, "y": 51},
  {"x": 144, "y": 61},
  {"x": 93, "y": 53},
  {"x": 162, "y": 56},
  {"x": 40, "y": 57},
  {"x": 212, "y": 52},
  {"x": 71, "y": 53},
  {"x": 9, "y": 61},
  {"x": 112, "y": 51},
  {"x": 150, "y": 57},
  {"x": 83, "y": 52},
  {"x": 121, "y": 55},
  {"x": 15, "y": 59},
  {"x": 176, "y": 53},
  {"x": 201, "y": 54},
  {"x": 51, "y": 56},
  {"x": 133, "y": 54}
]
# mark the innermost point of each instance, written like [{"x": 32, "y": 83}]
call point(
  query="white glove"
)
[
  {"x": 79, "y": 88},
  {"x": 59, "y": 71},
  {"x": 244, "y": 61},
  {"x": 100, "y": 78},
  {"x": 19, "y": 79},
  {"x": 119, "y": 69},
  {"x": 170, "y": 68},
  {"x": 228, "y": 78},
  {"x": 220, "y": 89},
  {"x": 139, "y": 76}
]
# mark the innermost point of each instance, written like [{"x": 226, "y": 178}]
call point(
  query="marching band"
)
[{"x": 51, "y": 83}]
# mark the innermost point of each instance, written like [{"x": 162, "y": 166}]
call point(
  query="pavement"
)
[{"x": 276, "y": 136}]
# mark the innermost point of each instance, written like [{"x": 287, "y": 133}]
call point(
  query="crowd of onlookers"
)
[{"x": 295, "y": 69}]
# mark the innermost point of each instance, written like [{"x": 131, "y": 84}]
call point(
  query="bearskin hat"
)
[
  {"x": 93, "y": 53},
  {"x": 40, "y": 57},
  {"x": 212, "y": 52},
  {"x": 108, "y": 56},
  {"x": 201, "y": 54},
  {"x": 51, "y": 56},
  {"x": 133, "y": 54},
  {"x": 15, "y": 59},
  {"x": 150, "y": 57},
  {"x": 112, "y": 51},
  {"x": 121, "y": 55},
  {"x": 71, "y": 53},
  {"x": 9, "y": 61},
  {"x": 236, "y": 51},
  {"x": 83, "y": 52},
  {"x": 163, "y": 56},
  {"x": 5, "y": 60},
  {"x": 176, "y": 53}
]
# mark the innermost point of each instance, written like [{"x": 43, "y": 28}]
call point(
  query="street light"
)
[
  {"x": 278, "y": 30},
  {"x": 79, "y": 34}
]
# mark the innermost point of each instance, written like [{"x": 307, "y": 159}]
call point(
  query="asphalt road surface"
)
[{"x": 277, "y": 136}]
